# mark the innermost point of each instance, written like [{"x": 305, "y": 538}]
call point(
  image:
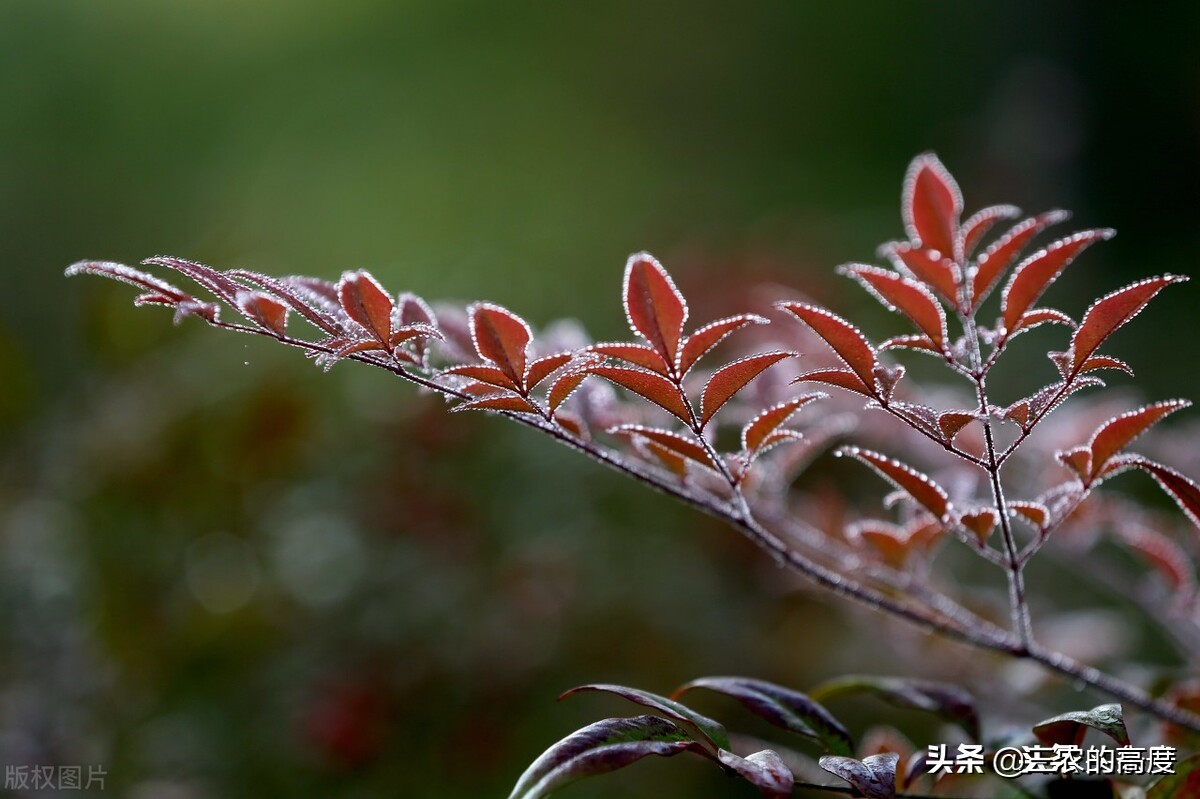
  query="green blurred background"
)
[{"x": 225, "y": 574}]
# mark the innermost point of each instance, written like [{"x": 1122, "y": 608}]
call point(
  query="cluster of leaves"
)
[
  {"x": 654, "y": 408},
  {"x": 491, "y": 361},
  {"x": 882, "y": 765}
]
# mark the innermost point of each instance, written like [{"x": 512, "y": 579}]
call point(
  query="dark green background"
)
[{"x": 411, "y": 591}]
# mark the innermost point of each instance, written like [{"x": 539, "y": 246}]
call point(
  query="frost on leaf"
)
[
  {"x": 926, "y": 266},
  {"x": 1098, "y": 362},
  {"x": 1068, "y": 729},
  {"x": 764, "y": 770},
  {"x": 732, "y": 378},
  {"x": 1111, "y": 312},
  {"x": 501, "y": 337},
  {"x": 656, "y": 388},
  {"x": 1035, "y": 274},
  {"x": 1112, "y": 437},
  {"x": 980, "y": 522},
  {"x": 655, "y": 308},
  {"x": 1035, "y": 514},
  {"x": 564, "y": 387},
  {"x": 764, "y": 430},
  {"x": 895, "y": 544},
  {"x": 364, "y": 300},
  {"x": 499, "y": 402},
  {"x": 850, "y": 345},
  {"x": 543, "y": 367},
  {"x": 909, "y": 297},
  {"x": 873, "y": 777},
  {"x": 951, "y": 423},
  {"x": 641, "y": 355},
  {"x": 483, "y": 373},
  {"x": 996, "y": 260},
  {"x": 923, "y": 490},
  {"x": 1181, "y": 489},
  {"x": 264, "y": 310},
  {"x": 705, "y": 729},
  {"x": 978, "y": 225},
  {"x": 156, "y": 291},
  {"x": 599, "y": 748},
  {"x": 707, "y": 337},
  {"x": 783, "y": 707},
  {"x": 680, "y": 445},
  {"x": 931, "y": 204}
]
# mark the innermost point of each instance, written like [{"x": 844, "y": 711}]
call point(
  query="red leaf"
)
[
  {"x": 887, "y": 378},
  {"x": 299, "y": 298},
  {"x": 975, "y": 228},
  {"x": 920, "y": 415},
  {"x": 1078, "y": 460},
  {"x": 1112, "y": 311},
  {"x": 413, "y": 310},
  {"x": 665, "y": 438},
  {"x": 405, "y": 333},
  {"x": 127, "y": 274},
  {"x": 571, "y": 423},
  {"x": 1097, "y": 362},
  {"x": 1035, "y": 274},
  {"x": 931, "y": 204},
  {"x": 897, "y": 292},
  {"x": 710, "y": 335},
  {"x": 672, "y": 460},
  {"x": 1167, "y": 557},
  {"x": 540, "y": 369},
  {"x": 926, "y": 266},
  {"x": 365, "y": 301},
  {"x": 656, "y": 388},
  {"x": 1185, "y": 493},
  {"x": 362, "y": 345},
  {"x": 1035, "y": 513},
  {"x": 732, "y": 378},
  {"x": 951, "y": 423},
  {"x": 636, "y": 354},
  {"x": 996, "y": 260},
  {"x": 564, "y": 387},
  {"x": 483, "y": 373},
  {"x": 1119, "y": 432},
  {"x": 478, "y": 389},
  {"x": 653, "y": 305},
  {"x": 1040, "y": 316},
  {"x": 890, "y": 542},
  {"x": 920, "y": 343},
  {"x": 920, "y": 487},
  {"x": 895, "y": 544},
  {"x": 842, "y": 378},
  {"x": 266, "y": 311},
  {"x": 981, "y": 522},
  {"x": 501, "y": 337},
  {"x": 759, "y": 430},
  {"x": 318, "y": 290},
  {"x": 499, "y": 402},
  {"x": 214, "y": 280},
  {"x": 845, "y": 339},
  {"x": 1026, "y": 411}
]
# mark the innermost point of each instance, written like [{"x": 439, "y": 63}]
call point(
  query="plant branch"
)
[{"x": 982, "y": 637}]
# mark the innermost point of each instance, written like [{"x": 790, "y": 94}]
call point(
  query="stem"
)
[{"x": 1015, "y": 567}]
